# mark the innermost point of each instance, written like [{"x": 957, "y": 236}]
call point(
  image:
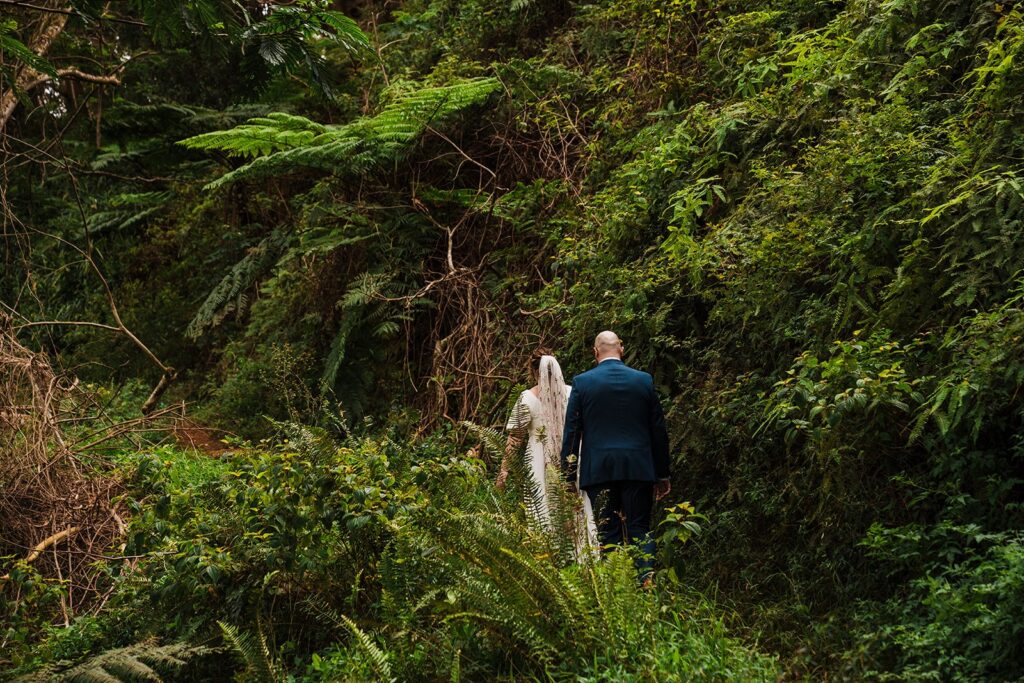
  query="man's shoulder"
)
[
  {"x": 597, "y": 373},
  {"x": 583, "y": 378},
  {"x": 646, "y": 376},
  {"x": 639, "y": 374}
]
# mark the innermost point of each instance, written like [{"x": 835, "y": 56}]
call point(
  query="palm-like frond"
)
[
  {"x": 510, "y": 585},
  {"x": 283, "y": 143},
  {"x": 143, "y": 662},
  {"x": 378, "y": 659},
  {"x": 286, "y": 38},
  {"x": 11, "y": 47},
  {"x": 255, "y": 652},
  {"x": 260, "y": 136},
  {"x": 229, "y": 296}
]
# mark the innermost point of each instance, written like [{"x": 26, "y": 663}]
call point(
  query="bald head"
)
[{"x": 607, "y": 345}]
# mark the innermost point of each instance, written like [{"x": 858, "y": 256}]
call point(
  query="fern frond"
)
[
  {"x": 364, "y": 314},
  {"x": 113, "y": 156},
  {"x": 493, "y": 440},
  {"x": 12, "y": 47},
  {"x": 521, "y": 481},
  {"x": 378, "y": 658},
  {"x": 228, "y": 296},
  {"x": 127, "y": 211},
  {"x": 402, "y": 121},
  {"x": 281, "y": 143},
  {"x": 510, "y": 581},
  {"x": 365, "y": 289},
  {"x": 456, "y": 667},
  {"x": 255, "y": 653},
  {"x": 341, "y": 155},
  {"x": 142, "y": 662},
  {"x": 260, "y": 136}
]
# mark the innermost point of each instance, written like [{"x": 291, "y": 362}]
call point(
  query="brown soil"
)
[{"x": 188, "y": 434}]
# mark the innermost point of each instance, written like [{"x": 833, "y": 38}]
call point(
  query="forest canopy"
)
[{"x": 273, "y": 272}]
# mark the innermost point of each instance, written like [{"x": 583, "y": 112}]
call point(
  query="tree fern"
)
[
  {"x": 282, "y": 143},
  {"x": 370, "y": 320},
  {"x": 261, "y": 136},
  {"x": 126, "y": 211},
  {"x": 229, "y": 295}
]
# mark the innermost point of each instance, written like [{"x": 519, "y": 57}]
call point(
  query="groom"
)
[{"x": 614, "y": 411}]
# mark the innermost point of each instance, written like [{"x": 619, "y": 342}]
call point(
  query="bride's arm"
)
[
  {"x": 518, "y": 426},
  {"x": 511, "y": 448}
]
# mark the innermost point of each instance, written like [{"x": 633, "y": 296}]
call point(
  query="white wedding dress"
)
[{"x": 541, "y": 419}]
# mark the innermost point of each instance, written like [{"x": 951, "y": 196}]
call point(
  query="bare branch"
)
[
  {"x": 461, "y": 151},
  {"x": 43, "y": 545},
  {"x": 70, "y": 12},
  {"x": 76, "y": 74},
  {"x": 158, "y": 391},
  {"x": 72, "y": 323}
]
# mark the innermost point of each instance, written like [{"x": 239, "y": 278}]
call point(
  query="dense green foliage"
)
[
  {"x": 377, "y": 561},
  {"x": 803, "y": 217}
]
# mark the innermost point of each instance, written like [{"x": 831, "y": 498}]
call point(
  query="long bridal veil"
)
[{"x": 554, "y": 397}]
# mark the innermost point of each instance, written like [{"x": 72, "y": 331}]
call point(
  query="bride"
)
[{"x": 539, "y": 416}]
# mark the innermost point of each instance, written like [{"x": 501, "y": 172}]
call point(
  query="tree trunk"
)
[{"x": 50, "y": 27}]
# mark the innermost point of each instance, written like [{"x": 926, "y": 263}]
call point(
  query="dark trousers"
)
[{"x": 626, "y": 518}]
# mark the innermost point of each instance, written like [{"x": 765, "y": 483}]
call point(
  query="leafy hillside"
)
[{"x": 802, "y": 216}]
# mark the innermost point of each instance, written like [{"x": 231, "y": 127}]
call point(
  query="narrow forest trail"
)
[{"x": 189, "y": 434}]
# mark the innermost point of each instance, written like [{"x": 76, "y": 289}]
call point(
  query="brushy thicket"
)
[
  {"x": 802, "y": 216},
  {"x": 370, "y": 560}
]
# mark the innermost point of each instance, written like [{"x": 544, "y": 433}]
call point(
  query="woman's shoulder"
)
[
  {"x": 528, "y": 401},
  {"x": 522, "y": 411}
]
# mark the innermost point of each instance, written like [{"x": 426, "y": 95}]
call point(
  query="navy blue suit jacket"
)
[{"x": 614, "y": 411}]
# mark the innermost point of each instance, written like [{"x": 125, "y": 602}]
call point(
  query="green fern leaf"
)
[
  {"x": 12, "y": 47},
  {"x": 255, "y": 653},
  {"x": 378, "y": 659},
  {"x": 280, "y": 143},
  {"x": 261, "y": 136},
  {"x": 346, "y": 31},
  {"x": 144, "y": 662},
  {"x": 228, "y": 296}
]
